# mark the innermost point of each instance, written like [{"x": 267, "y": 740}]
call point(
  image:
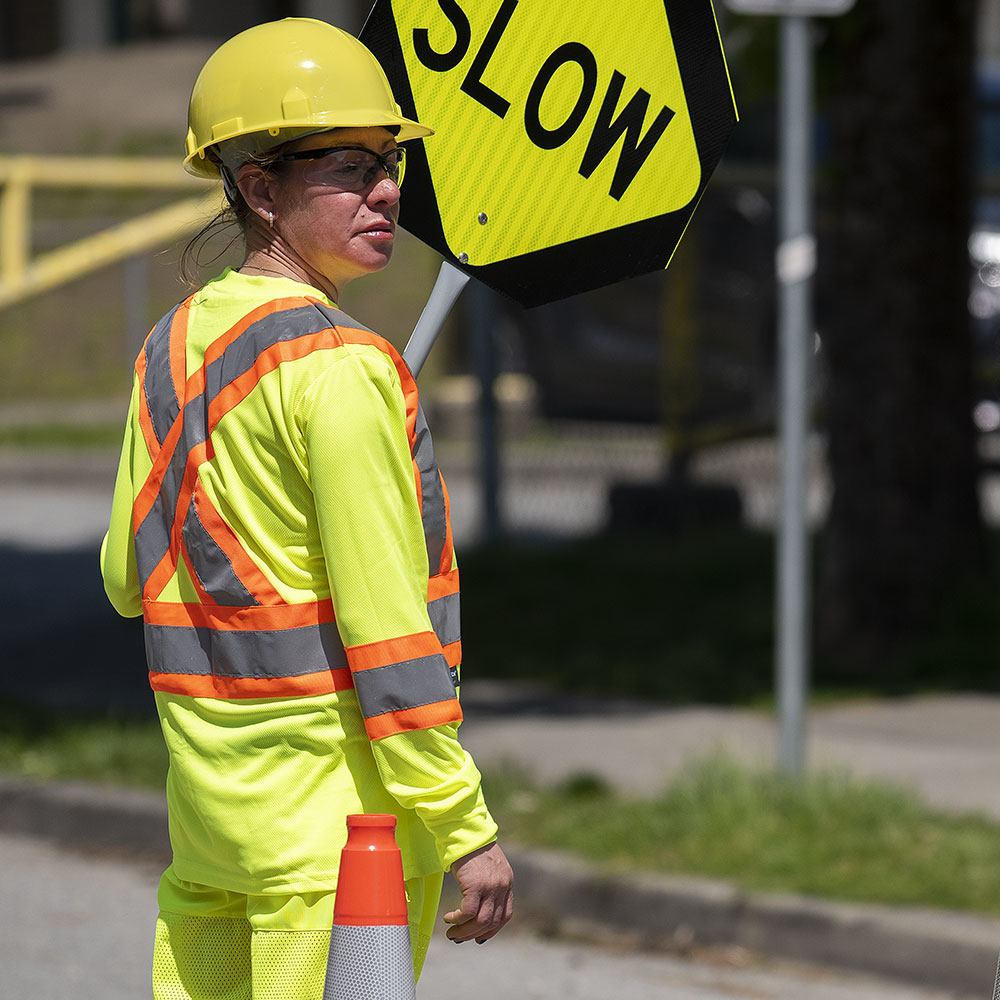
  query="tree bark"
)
[{"x": 904, "y": 525}]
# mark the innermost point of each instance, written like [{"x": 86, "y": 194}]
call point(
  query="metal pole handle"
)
[{"x": 446, "y": 290}]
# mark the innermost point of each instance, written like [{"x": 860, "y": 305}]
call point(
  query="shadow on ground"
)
[{"x": 62, "y": 645}]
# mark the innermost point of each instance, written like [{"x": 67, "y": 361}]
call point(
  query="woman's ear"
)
[{"x": 257, "y": 187}]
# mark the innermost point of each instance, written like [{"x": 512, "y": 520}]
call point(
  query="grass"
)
[
  {"x": 45, "y": 746},
  {"x": 84, "y": 435},
  {"x": 825, "y": 836}
]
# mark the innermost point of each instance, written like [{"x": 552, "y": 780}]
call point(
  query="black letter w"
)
[{"x": 608, "y": 129}]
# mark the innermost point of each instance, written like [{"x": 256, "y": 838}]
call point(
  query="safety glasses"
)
[{"x": 347, "y": 168}]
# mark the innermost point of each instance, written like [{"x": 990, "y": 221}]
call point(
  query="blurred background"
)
[{"x": 612, "y": 458}]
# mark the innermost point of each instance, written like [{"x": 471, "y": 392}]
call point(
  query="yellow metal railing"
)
[{"x": 22, "y": 275}]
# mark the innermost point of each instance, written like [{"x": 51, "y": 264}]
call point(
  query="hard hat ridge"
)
[{"x": 281, "y": 80}]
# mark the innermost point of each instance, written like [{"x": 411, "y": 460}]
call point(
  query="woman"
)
[{"x": 280, "y": 523}]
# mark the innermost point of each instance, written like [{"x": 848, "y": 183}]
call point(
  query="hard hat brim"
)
[{"x": 200, "y": 164}]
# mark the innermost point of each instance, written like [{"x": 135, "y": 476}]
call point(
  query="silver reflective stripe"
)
[
  {"x": 211, "y": 565},
  {"x": 152, "y": 540},
  {"x": 407, "y": 684},
  {"x": 158, "y": 384},
  {"x": 434, "y": 514},
  {"x": 242, "y": 354},
  {"x": 290, "y": 652},
  {"x": 445, "y": 615}
]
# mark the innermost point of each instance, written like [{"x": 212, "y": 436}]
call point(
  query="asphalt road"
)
[{"x": 81, "y": 926}]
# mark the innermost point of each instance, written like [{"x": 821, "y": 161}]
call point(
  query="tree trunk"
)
[{"x": 904, "y": 526}]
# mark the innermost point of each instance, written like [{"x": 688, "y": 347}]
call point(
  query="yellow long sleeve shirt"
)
[{"x": 311, "y": 473}]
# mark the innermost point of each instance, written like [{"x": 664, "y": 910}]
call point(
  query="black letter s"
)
[{"x": 441, "y": 62}]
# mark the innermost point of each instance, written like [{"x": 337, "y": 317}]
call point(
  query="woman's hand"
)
[{"x": 487, "y": 883}]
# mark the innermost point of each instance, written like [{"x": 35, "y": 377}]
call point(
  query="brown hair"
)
[{"x": 234, "y": 213}]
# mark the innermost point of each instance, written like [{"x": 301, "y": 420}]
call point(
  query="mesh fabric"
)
[{"x": 201, "y": 958}]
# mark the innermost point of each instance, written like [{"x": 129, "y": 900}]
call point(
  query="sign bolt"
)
[
  {"x": 483, "y": 218},
  {"x": 463, "y": 258}
]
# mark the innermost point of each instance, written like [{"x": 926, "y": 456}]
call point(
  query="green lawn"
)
[{"x": 824, "y": 836}]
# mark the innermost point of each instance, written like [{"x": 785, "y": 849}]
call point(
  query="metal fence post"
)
[
  {"x": 482, "y": 329},
  {"x": 15, "y": 222}
]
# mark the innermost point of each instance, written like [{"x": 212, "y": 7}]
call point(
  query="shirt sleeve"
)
[
  {"x": 353, "y": 419},
  {"x": 118, "y": 565},
  {"x": 430, "y": 772}
]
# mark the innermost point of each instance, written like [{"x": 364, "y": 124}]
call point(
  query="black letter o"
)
[{"x": 551, "y": 138}]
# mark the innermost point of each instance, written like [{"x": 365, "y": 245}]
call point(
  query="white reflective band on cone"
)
[{"x": 369, "y": 963}]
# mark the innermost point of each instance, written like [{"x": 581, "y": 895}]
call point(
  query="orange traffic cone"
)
[{"x": 370, "y": 957}]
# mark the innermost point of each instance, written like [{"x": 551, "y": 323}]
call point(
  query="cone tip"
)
[{"x": 369, "y": 820}]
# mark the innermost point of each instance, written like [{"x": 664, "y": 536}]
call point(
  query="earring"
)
[{"x": 270, "y": 220}]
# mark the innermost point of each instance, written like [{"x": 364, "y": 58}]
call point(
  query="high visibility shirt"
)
[{"x": 280, "y": 522}]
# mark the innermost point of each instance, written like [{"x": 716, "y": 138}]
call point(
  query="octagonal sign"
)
[{"x": 573, "y": 141}]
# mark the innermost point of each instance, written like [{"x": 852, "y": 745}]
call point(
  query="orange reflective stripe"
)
[
  {"x": 253, "y": 618},
  {"x": 161, "y": 462},
  {"x": 145, "y": 420},
  {"x": 189, "y": 389},
  {"x": 159, "y": 578},
  {"x": 442, "y": 585},
  {"x": 448, "y": 552},
  {"x": 167, "y": 566},
  {"x": 209, "y": 686},
  {"x": 381, "y": 654},
  {"x": 453, "y": 653},
  {"x": 439, "y": 713},
  {"x": 290, "y": 350},
  {"x": 286, "y": 350},
  {"x": 173, "y": 327},
  {"x": 220, "y": 345}
]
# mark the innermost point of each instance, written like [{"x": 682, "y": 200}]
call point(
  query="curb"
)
[
  {"x": 942, "y": 949},
  {"x": 566, "y": 896}
]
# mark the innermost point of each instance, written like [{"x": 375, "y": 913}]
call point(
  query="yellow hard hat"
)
[{"x": 297, "y": 74}]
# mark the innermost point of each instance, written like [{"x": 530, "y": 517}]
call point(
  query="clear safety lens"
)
[{"x": 348, "y": 168}]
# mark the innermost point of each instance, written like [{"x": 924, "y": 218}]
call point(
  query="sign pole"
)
[
  {"x": 796, "y": 263},
  {"x": 482, "y": 333},
  {"x": 444, "y": 294}
]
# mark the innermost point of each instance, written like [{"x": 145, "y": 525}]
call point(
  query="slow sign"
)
[{"x": 573, "y": 140}]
